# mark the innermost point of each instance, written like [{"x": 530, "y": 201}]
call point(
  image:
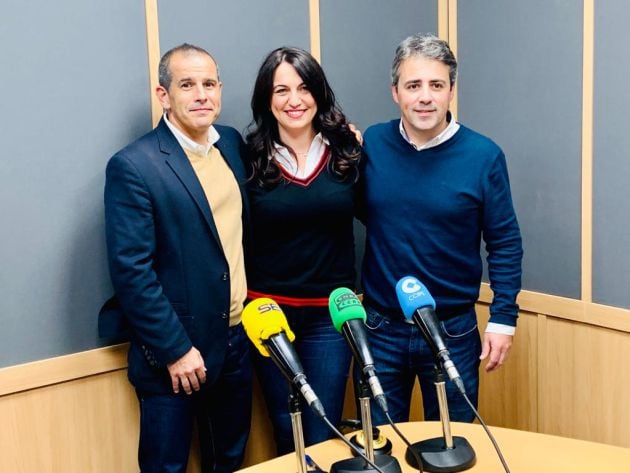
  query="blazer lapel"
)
[
  {"x": 232, "y": 155},
  {"x": 179, "y": 163}
]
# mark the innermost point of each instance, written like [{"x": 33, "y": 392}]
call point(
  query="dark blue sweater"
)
[{"x": 425, "y": 213}]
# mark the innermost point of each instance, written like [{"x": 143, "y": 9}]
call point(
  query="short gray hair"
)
[
  {"x": 164, "y": 71},
  {"x": 426, "y": 45}
]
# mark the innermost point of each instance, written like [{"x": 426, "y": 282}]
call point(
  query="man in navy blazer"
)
[{"x": 174, "y": 208}]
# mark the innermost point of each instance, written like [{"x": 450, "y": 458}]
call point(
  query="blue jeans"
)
[
  {"x": 222, "y": 411},
  {"x": 401, "y": 354},
  {"x": 325, "y": 357}
]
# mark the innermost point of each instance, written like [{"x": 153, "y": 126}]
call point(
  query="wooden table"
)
[{"x": 524, "y": 452}]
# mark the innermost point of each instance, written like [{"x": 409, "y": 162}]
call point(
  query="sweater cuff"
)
[
  {"x": 503, "y": 319},
  {"x": 164, "y": 357}
]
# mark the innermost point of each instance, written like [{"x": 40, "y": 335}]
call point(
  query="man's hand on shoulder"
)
[
  {"x": 357, "y": 133},
  {"x": 496, "y": 347},
  {"x": 189, "y": 371}
]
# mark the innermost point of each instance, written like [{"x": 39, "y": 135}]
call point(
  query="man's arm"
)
[
  {"x": 131, "y": 244},
  {"x": 502, "y": 236}
]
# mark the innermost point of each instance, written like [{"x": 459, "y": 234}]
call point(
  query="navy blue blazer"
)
[{"x": 167, "y": 265}]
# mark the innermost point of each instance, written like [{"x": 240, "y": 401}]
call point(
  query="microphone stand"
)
[
  {"x": 447, "y": 453},
  {"x": 386, "y": 463},
  {"x": 298, "y": 431}
]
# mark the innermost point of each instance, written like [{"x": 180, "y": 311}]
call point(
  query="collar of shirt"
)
[
  {"x": 446, "y": 134},
  {"x": 190, "y": 145},
  {"x": 282, "y": 155}
]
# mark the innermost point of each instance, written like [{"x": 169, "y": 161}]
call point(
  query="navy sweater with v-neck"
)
[
  {"x": 302, "y": 241},
  {"x": 425, "y": 214}
]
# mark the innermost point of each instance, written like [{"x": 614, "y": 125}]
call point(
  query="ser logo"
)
[
  {"x": 344, "y": 301},
  {"x": 263, "y": 308}
]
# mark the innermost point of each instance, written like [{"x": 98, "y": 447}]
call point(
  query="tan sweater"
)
[{"x": 224, "y": 197}]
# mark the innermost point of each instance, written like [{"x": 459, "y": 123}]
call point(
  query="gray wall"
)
[
  {"x": 611, "y": 155},
  {"x": 75, "y": 90},
  {"x": 358, "y": 40},
  {"x": 239, "y": 35},
  {"x": 520, "y": 83}
]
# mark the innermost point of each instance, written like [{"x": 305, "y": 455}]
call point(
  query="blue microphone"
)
[{"x": 419, "y": 306}]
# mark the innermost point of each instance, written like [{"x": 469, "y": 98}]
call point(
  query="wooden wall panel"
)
[
  {"x": 89, "y": 424},
  {"x": 260, "y": 446},
  {"x": 585, "y": 383},
  {"x": 508, "y": 396},
  {"x": 563, "y": 378}
]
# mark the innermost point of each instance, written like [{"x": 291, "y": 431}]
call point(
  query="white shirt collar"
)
[
  {"x": 282, "y": 155},
  {"x": 445, "y": 135},
  {"x": 191, "y": 145}
]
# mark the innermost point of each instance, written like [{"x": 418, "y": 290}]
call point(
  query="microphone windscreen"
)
[
  {"x": 263, "y": 318},
  {"x": 412, "y": 295},
  {"x": 344, "y": 305}
]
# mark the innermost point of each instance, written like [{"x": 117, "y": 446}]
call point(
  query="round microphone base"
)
[
  {"x": 436, "y": 458},
  {"x": 381, "y": 444},
  {"x": 386, "y": 463}
]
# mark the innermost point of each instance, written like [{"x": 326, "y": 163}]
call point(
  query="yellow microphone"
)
[
  {"x": 263, "y": 318},
  {"x": 267, "y": 327}
]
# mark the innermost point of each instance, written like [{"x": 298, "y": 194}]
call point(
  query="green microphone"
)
[
  {"x": 348, "y": 317},
  {"x": 344, "y": 305}
]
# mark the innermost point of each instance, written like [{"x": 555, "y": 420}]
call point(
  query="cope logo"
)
[
  {"x": 344, "y": 301},
  {"x": 264, "y": 308},
  {"x": 412, "y": 287}
]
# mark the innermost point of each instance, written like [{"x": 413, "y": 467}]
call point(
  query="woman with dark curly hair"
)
[{"x": 304, "y": 160}]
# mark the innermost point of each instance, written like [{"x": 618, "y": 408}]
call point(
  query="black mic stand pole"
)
[
  {"x": 447, "y": 453},
  {"x": 386, "y": 463},
  {"x": 298, "y": 431}
]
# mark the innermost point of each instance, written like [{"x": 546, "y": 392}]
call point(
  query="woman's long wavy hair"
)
[{"x": 329, "y": 119}]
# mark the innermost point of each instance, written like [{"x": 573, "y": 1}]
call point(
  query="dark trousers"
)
[
  {"x": 222, "y": 412},
  {"x": 325, "y": 357},
  {"x": 401, "y": 354}
]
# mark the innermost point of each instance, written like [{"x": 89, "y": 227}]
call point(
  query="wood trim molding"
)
[
  {"x": 313, "y": 14},
  {"x": 37, "y": 374},
  {"x": 41, "y": 373},
  {"x": 443, "y": 19},
  {"x": 452, "y": 25},
  {"x": 542, "y": 369},
  {"x": 153, "y": 55},
  {"x": 14, "y": 379},
  {"x": 587, "y": 150},
  {"x": 452, "y": 42},
  {"x": 60, "y": 369},
  {"x": 569, "y": 309}
]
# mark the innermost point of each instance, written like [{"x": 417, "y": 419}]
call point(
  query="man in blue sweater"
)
[{"x": 432, "y": 188}]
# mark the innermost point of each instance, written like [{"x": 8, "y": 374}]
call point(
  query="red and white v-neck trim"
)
[
  {"x": 306, "y": 180},
  {"x": 316, "y": 160}
]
